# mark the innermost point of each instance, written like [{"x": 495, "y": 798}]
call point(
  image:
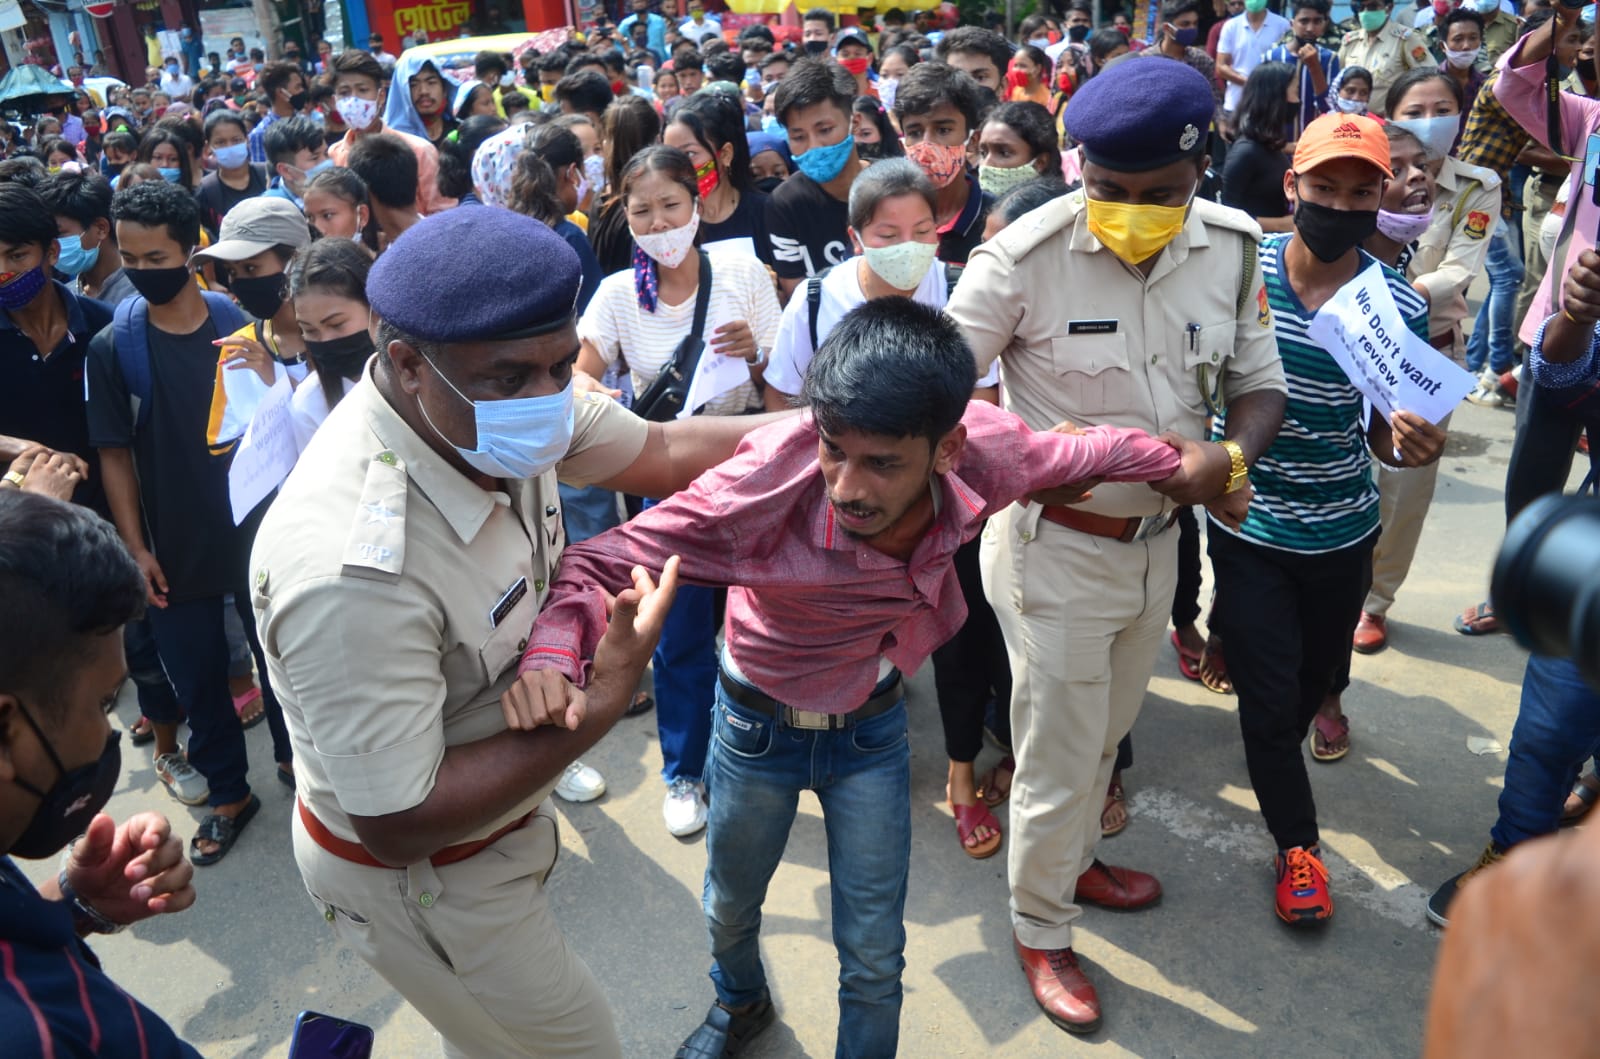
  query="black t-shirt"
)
[
  {"x": 747, "y": 221},
  {"x": 183, "y": 488},
  {"x": 41, "y": 398},
  {"x": 957, "y": 242},
  {"x": 807, "y": 228},
  {"x": 217, "y": 198},
  {"x": 1252, "y": 179}
]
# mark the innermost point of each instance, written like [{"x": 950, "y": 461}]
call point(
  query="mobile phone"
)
[{"x": 319, "y": 1036}]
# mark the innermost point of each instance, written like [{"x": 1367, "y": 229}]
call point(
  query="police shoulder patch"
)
[
  {"x": 1419, "y": 52},
  {"x": 1263, "y": 310},
  {"x": 1477, "y": 224}
]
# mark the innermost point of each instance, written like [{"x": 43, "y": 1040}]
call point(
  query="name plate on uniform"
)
[
  {"x": 1092, "y": 327},
  {"x": 508, "y": 602}
]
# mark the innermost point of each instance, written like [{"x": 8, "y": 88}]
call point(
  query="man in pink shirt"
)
[
  {"x": 834, "y": 534},
  {"x": 359, "y": 95}
]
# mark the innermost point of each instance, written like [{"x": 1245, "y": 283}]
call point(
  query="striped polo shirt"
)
[{"x": 1314, "y": 490}]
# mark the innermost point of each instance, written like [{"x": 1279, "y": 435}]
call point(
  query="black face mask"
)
[
  {"x": 815, "y": 48},
  {"x": 1301, "y": 42},
  {"x": 344, "y": 356},
  {"x": 261, "y": 296},
  {"x": 767, "y": 185},
  {"x": 1329, "y": 233},
  {"x": 298, "y": 100},
  {"x": 67, "y": 807},
  {"x": 159, "y": 285},
  {"x": 1077, "y": 34}
]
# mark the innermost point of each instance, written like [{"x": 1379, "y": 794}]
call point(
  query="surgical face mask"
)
[
  {"x": 669, "y": 248},
  {"x": 822, "y": 164},
  {"x": 942, "y": 162},
  {"x": 521, "y": 437},
  {"x": 73, "y": 260},
  {"x": 507, "y": 80},
  {"x": 888, "y": 89},
  {"x": 772, "y": 127},
  {"x": 232, "y": 157},
  {"x": 172, "y": 69},
  {"x": 358, "y": 113},
  {"x": 260, "y": 296},
  {"x": 1371, "y": 21},
  {"x": 1330, "y": 234},
  {"x": 159, "y": 285},
  {"x": 171, "y": 174},
  {"x": 1135, "y": 232},
  {"x": 997, "y": 180},
  {"x": 1255, "y": 7},
  {"x": 1404, "y": 227},
  {"x": 307, "y": 174},
  {"x": 22, "y": 289},
  {"x": 343, "y": 356},
  {"x": 71, "y": 802},
  {"x": 1349, "y": 106},
  {"x": 1186, "y": 36},
  {"x": 1461, "y": 59},
  {"x": 901, "y": 265},
  {"x": 1437, "y": 134}
]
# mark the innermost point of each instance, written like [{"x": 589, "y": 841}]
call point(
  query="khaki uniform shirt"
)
[
  {"x": 1498, "y": 37},
  {"x": 394, "y": 598},
  {"x": 1455, "y": 245},
  {"x": 1386, "y": 54},
  {"x": 1083, "y": 336}
]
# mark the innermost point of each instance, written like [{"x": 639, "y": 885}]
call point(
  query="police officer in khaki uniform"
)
[
  {"x": 1383, "y": 47},
  {"x": 396, "y": 579},
  {"x": 1135, "y": 304}
]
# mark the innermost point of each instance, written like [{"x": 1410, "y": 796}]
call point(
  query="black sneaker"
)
[
  {"x": 1439, "y": 903},
  {"x": 726, "y": 1032}
]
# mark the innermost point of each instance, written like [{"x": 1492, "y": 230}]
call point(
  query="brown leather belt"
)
[
  {"x": 356, "y": 853},
  {"x": 1126, "y": 530},
  {"x": 760, "y": 702}
]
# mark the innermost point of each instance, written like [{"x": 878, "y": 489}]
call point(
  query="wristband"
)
[{"x": 84, "y": 915}]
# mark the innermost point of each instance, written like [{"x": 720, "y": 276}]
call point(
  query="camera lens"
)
[{"x": 1546, "y": 585}]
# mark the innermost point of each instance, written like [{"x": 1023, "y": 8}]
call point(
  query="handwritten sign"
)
[
  {"x": 267, "y": 453},
  {"x": 1362, "y": 329}
]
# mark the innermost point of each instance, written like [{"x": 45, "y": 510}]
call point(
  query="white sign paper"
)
[
  {"x": 266, "y": 454},
  {"x": 714, "y": 376},
  {"x": 1362, "y": 329}
]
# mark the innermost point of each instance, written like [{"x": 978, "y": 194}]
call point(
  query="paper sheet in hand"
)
[
  {"x": 266, "y": 454},
  {"x": 714, "y": 376},
  {"x": 1362, "y": 329}
]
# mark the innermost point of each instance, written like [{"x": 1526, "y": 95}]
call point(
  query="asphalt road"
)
[{"x": 1208, "y": 972}]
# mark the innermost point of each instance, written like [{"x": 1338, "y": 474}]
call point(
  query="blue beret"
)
[
  {"x": 420, "y": 286},
  {"x": 1141, "y": 114}
]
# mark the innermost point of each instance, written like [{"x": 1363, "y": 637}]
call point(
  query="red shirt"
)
[{"x": 811, "y": 608}]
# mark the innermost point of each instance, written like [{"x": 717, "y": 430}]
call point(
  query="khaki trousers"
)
[
  {"x": 1403, "y": 499},
  {"x": 1083, "y": 618},
  {"x": 472, "y": 945}
]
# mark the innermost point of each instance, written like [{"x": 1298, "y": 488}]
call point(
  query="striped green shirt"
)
[{"x": 1314, "y": 490}]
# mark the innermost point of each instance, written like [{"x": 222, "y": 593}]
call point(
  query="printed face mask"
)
[
  {"x": 901, "y": 265},
  {"x": 997, "y": 180},
  {"x": 358, "y": 113},
  {"x": 822, "y": 164},
  {"x": 670, "y": 247},
  {"x": 942, "y": 162},
  {"x": 1404, "y": 227}
]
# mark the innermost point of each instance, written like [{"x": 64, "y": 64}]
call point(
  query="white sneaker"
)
[
  {"x": 1488, "y": 393},
  {"x": 180, "y": 777},
  {"x": 580, "y": 783},
  {"x": 685, "y": 807}
]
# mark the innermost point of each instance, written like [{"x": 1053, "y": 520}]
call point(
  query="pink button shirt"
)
[{"x": 810, "y": 608}]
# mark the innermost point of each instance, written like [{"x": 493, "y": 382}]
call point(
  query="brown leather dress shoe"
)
[
  {"x": 1120, "y": 889},
  {"x": 1371, "y": 635},
  {"x": 1061, "y": 989}
]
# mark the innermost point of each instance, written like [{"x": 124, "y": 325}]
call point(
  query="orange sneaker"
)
[{"x": 1303, "y": 897}]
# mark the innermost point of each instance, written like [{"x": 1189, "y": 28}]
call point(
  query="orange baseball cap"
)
[{"x": 1334, "y": 136}]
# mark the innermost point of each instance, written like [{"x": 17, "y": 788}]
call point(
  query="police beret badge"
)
[{"x": 1190, "y": 137}]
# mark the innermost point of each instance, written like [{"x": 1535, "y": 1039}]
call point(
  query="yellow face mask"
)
[
  {"x": 547, "y": 92},
  {"x": 1135, "y": 232}
]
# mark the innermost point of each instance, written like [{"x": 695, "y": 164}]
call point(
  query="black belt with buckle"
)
[{"x": 752, "y": 699}]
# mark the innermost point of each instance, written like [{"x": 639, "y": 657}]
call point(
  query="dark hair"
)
[
  {"x": 1354, "y": 73},
  {"x": 669, "y": 162},
  {"x": 57, "y": 145},
  {"x": 1027, "y": 197},
  {"x": 158, "y": 136},
  {"x": 927, "y": 85},
  {"x": 1032, "y": 25},
  {"x": 388, "y": 166},
  {"x": 581, "y": 61},
  {"x": 342, "y": 182},
  {"x": 888, "y": 145},
  {"x": 893, "y": 368},
  {"x": 1037, "y": 56},
  {"x": 810, "y": 82},
  {"x": 132, "y": 174},
  {"x": 83, "y": 196},
  {"x": 121, "y": 141},
  {"x": 339, "y": 267},
  {"x": 686, "y": 57},
  {"x": 819, "y": 14},
  {"x": 975, "y": 41},
  {"x": 629, "y": 126},
  {"x": 188, "y": 131},
  {"x": 65, "y": 576},
  {"x": 787, "y": 58},
  {"x": 1035, "y": 127},
  {"x": 1171, "y": 9},
  {"x": 585, "y": 91},
  {"x": 888, "y": 179},
  {"x": 1536, "y": 20},
  {"x": 485, "y": 61},
  {"x": 274, "y": 76},
  {"x": 25, "y": 217},
  {"x": 455, "y": 154},
  {"x": 224, "y": 117},
  {"x": 1459, "y": 15},
  {"x": 1264, "y": 108},
  {"x": 907, "y": 54},
  {"x": 1321, "y": 7},
  {"x": 534, "y": 184},
  {"x": 759, "y": 33},
  {"x": 1102, "y": 42},
  {"x": 715, "y": 119},
  {"x": 615, "y": 64},
  {"x": 1421, "y": 75},
  {"x": 23, "y": 169},
  {"x": 355, "y": 61},
  {"x": 158, "y": 204},
  {"x": 287, "y": 138},
  {"x": 725, "y": 66}
]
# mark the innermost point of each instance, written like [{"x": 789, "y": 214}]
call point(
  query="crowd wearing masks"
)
[{"x": 812, "y": 354}]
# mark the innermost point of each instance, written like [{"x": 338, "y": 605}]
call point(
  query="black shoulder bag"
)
[{"x": 665, "y": 397}]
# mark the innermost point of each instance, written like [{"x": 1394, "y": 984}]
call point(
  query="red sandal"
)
[{"x": 968, "y": 819}]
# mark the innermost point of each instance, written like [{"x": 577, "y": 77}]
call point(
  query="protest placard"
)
[{"x": 266, "y": 454}]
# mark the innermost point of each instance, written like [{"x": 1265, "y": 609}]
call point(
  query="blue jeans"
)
[
  {"x": 1557, "y": 730},
  {"x": 1495, "y": 328},
  {"x": 862, "y": 776},
  {"x": 685, "y": 668}
]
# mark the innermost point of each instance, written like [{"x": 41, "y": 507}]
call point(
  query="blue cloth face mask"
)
[
  {"x": 23, "y": 289},
  {"x": 171, "y": 174},
  {"x": 232, "y": 157},
  {"x": 73, "y": 259},
  {"x": 772, "y": 126},
  {"x": 521, "y": 437},
  {"x": 822, "y": 164}
]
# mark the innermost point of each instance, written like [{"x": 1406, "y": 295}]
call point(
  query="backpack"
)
[
  {"x": 132, "y": 342},
  {"x": 814, "y": 294}
]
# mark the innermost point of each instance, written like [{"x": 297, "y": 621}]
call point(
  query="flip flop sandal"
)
[
  {"x": 1188, "y": 663},
  {"x": 1586, "y": 796},
  {"x": 1478, "y": 621},
  {"x": 1119, "y": 797},
  {"x": 142, "y": 732},
  {"x": 968, "y": 819},
  {"x": 1330, "y": 731},
  {"x": 1217, "y": 679},
  {"x": 222, "y": 830},
  {"x": 241, "y": 703},
  {"x": 988, "y": 789},
  {"x": 641, "y": 704}
]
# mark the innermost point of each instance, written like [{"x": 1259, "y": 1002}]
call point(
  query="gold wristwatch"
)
[{"x": 1239, "y": 473}]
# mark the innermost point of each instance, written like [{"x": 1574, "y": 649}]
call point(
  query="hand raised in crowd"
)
[
  {"x": 247, "y": 353},
  {"x": 1417, "y": 441},
  {"x": 131, "y": 871},
  {"x": 734, "y": 339},
  {"x": 1067, "y": 493},
  {"x": 49, "y": 473},
  {"x": 1203, "y": 471},
  {"x": 1581, "y": 291},
  {"x": 637, "y": 615}
]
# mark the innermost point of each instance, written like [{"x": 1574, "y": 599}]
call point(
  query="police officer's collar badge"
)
[{"x": 1189, "y": 138}]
